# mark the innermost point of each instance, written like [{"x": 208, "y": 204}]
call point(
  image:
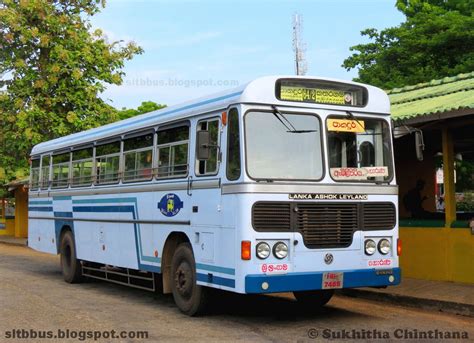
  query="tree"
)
[
  {"x": 145, "y": 107},
  {"x": 435, "y": 41},
  {"x": 54, "y": 68}
]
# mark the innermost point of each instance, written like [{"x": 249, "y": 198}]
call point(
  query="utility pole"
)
[{"x": 299, "y": 47}]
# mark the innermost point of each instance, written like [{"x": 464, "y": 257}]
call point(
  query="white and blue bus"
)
[{"x": 285, "y": 184}]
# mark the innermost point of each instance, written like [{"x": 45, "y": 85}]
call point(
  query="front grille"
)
[
  {"x": 326, "y": 225},
  {"x": 379, "y": 216},
  {"x": 323, "y": 225},
  {"x": 272, "y": 216}
]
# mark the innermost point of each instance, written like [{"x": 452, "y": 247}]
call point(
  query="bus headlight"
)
[
  {"x": 263, "y": 250},
  {"x": 384, "y": 246},
  {"x": 370, "y": 247},
  {"x": 280, "y": 250}
]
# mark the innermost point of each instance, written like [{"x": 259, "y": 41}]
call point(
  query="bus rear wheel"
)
[
  {"x": 190, "y": 298},
  {"x": 70, "y": 265},
  {"x": 314, "y": 299}
]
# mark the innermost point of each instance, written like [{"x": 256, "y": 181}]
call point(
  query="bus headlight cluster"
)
[
  {"x": 384, "y": 246},
  {"x": 263, "y": 250},
  {"x": 370, "y": 247},
  {"x": 280, "y": 250}
]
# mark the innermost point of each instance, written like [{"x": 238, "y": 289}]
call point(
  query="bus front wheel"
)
[
  {"x": 314, "y": 299},
  {"x": 70, "y": 265},
  {"x": 190, "y": 298}
]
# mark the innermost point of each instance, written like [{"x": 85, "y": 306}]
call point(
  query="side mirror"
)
[
  {"x": 419, "y": 145},
  {"x": 203, "y": 145}
]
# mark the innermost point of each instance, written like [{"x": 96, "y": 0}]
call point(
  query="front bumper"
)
[{"x": 313, "y": 281}]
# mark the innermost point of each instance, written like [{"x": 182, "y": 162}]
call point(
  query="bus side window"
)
[
  {"x": 35, "y": 169},
  {"x": 82, "y": 165},
  {"x": 210, "y": 166},
  {"x": 233, "y": 146},
  {"x": 45, "y": 171},
  {"x": 61, "y": 170},
  {"x": 138, "y": 157},
  {"x": 107, "y": 159},
  {"x": 173, "y": 146}
]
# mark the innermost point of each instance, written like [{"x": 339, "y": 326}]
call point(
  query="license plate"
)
[{"x": 332, "y": 280}]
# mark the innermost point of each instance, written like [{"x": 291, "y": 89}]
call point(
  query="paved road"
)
[{"x": 34, "y": 296}]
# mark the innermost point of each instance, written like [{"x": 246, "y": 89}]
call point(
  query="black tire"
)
[
  {"x": 314, "y": 299},
  {"x": 70, "y": 265},
  {"x": 190, "y": 298}
]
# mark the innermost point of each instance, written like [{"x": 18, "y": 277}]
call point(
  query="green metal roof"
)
[{"x": 437, "y": 96}]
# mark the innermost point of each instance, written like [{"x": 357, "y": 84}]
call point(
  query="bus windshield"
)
[
  {"x": 359, "y": 149},
  {"x": 283, "y": 146}
]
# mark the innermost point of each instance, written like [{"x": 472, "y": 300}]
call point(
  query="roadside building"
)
[
  {"x": 14, "y": 210},
  {"x": 436, "y": 189}
]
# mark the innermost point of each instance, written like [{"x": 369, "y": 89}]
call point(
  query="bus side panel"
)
[
  {"x": 41, "y": 235},
  {"x": 213, "y": 243}
]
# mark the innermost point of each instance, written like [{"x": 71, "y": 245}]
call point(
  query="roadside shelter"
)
[
  {"x": 436, "y": 190},
  {"x": 14, "y": 210}
]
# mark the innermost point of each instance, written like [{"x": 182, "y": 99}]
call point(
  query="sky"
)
[{"x": 196, "y": 48}]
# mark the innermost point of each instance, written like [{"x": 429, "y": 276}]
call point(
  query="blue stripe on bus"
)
[
  {"x": 150, "y": 268},
  {"x": 217, "y": 280},
  {"x": 103, "y": 201},
  {"x": 217, "y": 269},
  {"x": 103, "y": 209},
  {"x": 63, "y": 214},
  {"x": 159, "y": 114},
  {"x": 40, "y": 202},
  {"x": 62, "y": 197},
  {"x": 40, "y": 209}
]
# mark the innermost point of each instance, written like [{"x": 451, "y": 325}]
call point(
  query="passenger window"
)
[
  {"x": 173, "y": 145},
  {"x": 233, "y": 146},
  {"x": 35, "y": 170},
  {"x": 138, "y": 158},
  {"x": 45, "y": 170},
  {"x": 107, "y": 157},
  {"x": 82, "y": 165},
  {"x": 210, "y": 166},
  {"x": 60, "y": 170}
]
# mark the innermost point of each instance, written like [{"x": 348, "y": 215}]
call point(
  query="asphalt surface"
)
[{"x": 33, "y": 297}]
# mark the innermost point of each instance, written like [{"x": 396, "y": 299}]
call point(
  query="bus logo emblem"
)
[
  {"x": 328, "y": 258},
  {"x": 170, "y": 205}
]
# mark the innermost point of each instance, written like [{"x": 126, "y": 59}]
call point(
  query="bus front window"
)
[
  {"x": 359, "y": 149},
  {"x": 283, "y": 146}
]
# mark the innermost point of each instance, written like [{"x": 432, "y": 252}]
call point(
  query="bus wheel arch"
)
[{"x": 173, "y": 240}]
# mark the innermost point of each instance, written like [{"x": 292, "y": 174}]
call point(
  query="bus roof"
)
[{"x": 261, "y": 91}]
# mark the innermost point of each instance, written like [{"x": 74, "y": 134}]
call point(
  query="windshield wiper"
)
[
  {"x": 350, "y": 115},
  {"x": 288, "y": 125}
]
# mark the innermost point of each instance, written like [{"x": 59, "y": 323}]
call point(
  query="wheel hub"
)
[{"x": 183, "y": 280}]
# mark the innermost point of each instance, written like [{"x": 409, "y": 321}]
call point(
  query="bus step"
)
[{"x": 122, "y": 276}]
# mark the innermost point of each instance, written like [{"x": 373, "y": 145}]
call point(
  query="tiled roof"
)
[{"x": 437, "y": 96}]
